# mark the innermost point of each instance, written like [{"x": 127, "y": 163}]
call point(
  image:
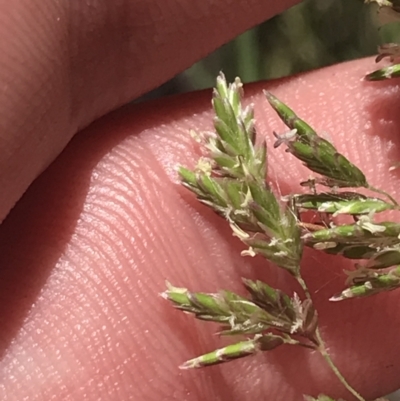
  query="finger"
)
[
  {"x": 66, "y": 63},
  {"x": 86, "y": 252}
]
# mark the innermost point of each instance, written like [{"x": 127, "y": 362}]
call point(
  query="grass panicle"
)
[{"x": 231, "y": 178}]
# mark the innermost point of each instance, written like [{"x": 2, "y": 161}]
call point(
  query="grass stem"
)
[
  {"x": 323, "y": 350},
  {"x": 384, "y": 193}
]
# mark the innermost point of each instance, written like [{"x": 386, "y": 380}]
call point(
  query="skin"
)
[{"x": 88, "y": 247}]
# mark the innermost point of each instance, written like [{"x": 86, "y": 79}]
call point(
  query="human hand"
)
[{"x": 87, "y": 249}]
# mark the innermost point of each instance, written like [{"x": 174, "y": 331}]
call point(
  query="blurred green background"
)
[{"x": 313, "y": 34}]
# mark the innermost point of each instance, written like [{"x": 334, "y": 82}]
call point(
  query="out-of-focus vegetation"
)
[{"x": 313, "y": 34}]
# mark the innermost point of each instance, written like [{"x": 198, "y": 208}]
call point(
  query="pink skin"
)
[
  {"x": 65, "y": 63},
  {"x": 87, "y": 249}
]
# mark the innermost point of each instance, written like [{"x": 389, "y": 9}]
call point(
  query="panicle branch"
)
[
  {"x": 234, "y": 182},
  {"x": 271, "y": 317}
]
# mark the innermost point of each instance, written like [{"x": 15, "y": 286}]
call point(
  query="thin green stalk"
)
[
  {"x": 323, "y": 350},
  {"x": 304, "y": 287},
  {"x": 384, "y": 193}
]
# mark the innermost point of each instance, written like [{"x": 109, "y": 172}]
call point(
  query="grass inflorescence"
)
[{"x": 231, "y": 178}]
